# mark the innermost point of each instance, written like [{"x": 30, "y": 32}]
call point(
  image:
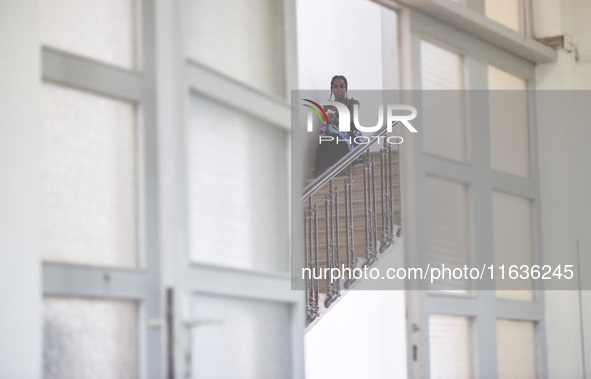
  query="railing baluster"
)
[
  {"x": 370, "y": 211},
  {"x": 332, "y": 244},
  {"x": 384, "y": 194},
  {"x": 387, "y": 198},
  {"x": 349, "y": 228},
  {"x": 397, "y": 220},
  {"x": 365, "y": 171},
  {"x": 311, "y": 241}
]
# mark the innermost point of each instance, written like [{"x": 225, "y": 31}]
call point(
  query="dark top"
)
[{"x": 329, "y": 152}]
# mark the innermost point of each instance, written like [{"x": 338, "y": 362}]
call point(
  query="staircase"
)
[{"x": 351, "y": 218}]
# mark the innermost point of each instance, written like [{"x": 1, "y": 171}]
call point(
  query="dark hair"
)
[{"x": 332, "y": 82}]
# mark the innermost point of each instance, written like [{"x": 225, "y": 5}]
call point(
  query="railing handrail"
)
[{"x": 339, "y": 165}]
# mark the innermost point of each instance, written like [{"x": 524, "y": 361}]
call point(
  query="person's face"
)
[{"x": 339, "y": 87}]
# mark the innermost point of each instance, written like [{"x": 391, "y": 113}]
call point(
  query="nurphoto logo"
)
[{"x": 345, "y": 116}]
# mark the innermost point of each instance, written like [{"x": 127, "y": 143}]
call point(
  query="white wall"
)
[
  {"x": 363, "y": 335},
  {"x": 339, "y": 37},
  {"x": 20, "y": 288},
  {"x": 565, "y": 187}
]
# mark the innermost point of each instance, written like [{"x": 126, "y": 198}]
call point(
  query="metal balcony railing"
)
[{"x": 351, "y": 224}]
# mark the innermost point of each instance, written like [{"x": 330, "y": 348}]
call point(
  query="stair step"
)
[{"x": 339, "y": 181}]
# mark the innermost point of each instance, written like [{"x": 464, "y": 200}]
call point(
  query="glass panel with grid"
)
[
  {"x": 100, "y": 30},
  {"x": 506, "y": 12},
  {"x": 88, "y": 179},
  {"x": 237, "y": 187},
  {"x": 512, "y": 231},
  {"x": 509, "y": 125},
  {"x": 448, "y": 231},
  {"x": 243, "y": 41},
  {"x": 444, "y": 122},
  {"x": 516, "y": 349},
  {"x": 89, "y": 339},
  {"x": 237, "y": 338},
  {"x": 450, "y": 347}
]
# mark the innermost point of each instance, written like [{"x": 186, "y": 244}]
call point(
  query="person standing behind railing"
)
[{"x": 329, "y": 152}]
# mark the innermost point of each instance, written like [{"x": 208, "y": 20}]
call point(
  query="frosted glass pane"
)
[
  {"x": 444, "y": 126},
  {"x": 505, "y": 12},
  {"x": 89, "y": 339},
  {"x": 441, "y": 69},
  {"x": 238, "y": 189},
  {"x": 509, "y": 133},
  {"x": 512, "y": 241},
  {"x": 101, "y": 30},
  {"x": 88, "y": 173},
  {"x": 448, "y": 229},
  {"x": 502, "y": 80},
  {"x": 450, "y": 347},
  {"x": 516, "y": 349},
  {"x": 245, "y": 339},
  {"x": 241, "y": 39}
]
